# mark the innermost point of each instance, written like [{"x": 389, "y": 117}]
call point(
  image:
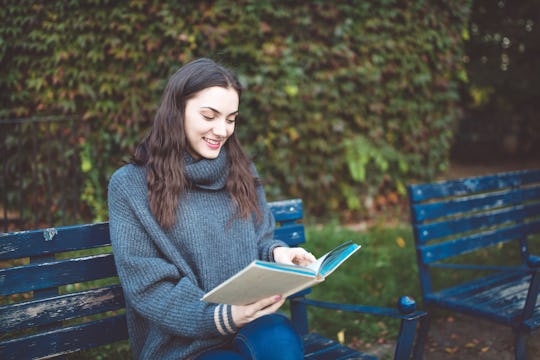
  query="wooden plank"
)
[
  {"x": 474, "y": 286},
  {"x": 436, "y": 252},
  {"x": 431, "y": 231},
  {"x": 64, "y": 307},
  {"x": 463, "y": 206},
  {"x": 287, "y": 210},
  {"x": 317, "y": 347},
  {"x": 48, "y": 241},
  {"x": 500, "y": 297},
  {"x": 292, "y": 234},
  {"x": 458, "y": 187},
  {"x": 41, "y": 276},
  {"x": 65, "y": 340}
]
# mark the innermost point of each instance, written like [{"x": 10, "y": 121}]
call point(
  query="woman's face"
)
[{"x": 209, "y": 120}]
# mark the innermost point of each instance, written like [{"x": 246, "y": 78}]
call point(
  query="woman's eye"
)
[
  {"x": 231, "y": 121},
  {"x": 208, "y": 117}
]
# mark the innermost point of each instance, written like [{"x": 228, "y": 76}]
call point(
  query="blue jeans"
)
[{"x": 270, "y": 337}]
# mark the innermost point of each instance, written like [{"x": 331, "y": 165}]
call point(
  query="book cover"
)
[{"x": 262, "y": 279}]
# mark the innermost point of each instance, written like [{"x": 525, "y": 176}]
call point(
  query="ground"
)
[{"x": 467, "y": 338}]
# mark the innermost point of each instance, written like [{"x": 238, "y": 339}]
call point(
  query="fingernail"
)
[{"x": 277, "y": 298}]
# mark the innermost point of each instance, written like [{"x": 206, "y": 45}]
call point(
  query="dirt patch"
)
[{"x": 467, "y": 338}]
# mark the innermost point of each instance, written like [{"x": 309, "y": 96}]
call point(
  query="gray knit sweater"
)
[{"x": 165, "y": 273}]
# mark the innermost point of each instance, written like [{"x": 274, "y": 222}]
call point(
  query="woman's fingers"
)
[
  {"x": 274, "y": 307},
  {"x": 304, "y": 259},
  {"x": 263, "y": 303},
  {"x": 243, "y": 314}
]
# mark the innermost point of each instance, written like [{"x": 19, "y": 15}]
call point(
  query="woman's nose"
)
[{"x": 220, "y": 128}]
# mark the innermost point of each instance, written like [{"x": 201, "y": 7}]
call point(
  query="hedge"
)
[{"x": 345, "y": 101}]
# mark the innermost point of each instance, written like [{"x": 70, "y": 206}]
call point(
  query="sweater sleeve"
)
[
  {"x": 154, "y": 287},
  {"x": 265, "y": 228}
]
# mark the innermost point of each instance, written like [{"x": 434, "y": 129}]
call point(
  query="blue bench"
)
[
  {"x": 465, "y": 224},
  {"x": 45, "y": 312}
]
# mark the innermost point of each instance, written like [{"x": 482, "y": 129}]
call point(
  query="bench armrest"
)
[
  {"x": 406, "y": 311},
  {"x": 533, "y": 261},
  {"x": 406, "y": 308}
]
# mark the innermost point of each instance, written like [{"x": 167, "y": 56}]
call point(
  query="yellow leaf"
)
[
  {"x": 400, "y": 242},
  {"x": 341, "y": 336},
  {"x": 86, "y": 165},
  {"x": 291, "y": 90},
  {"x": 293, "y": 134}
]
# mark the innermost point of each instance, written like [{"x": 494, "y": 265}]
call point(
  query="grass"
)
[{"x": 382, "y": 271}]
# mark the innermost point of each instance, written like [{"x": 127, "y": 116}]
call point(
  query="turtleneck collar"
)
[{"x": 209, "y": 174}]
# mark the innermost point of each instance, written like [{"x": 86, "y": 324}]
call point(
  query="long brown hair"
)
[{"x": 162, "y": 149}]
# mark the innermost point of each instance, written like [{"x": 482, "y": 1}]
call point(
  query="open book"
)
[{"x": 262, "y": 279}]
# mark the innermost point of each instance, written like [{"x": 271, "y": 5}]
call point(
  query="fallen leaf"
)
[{"x": 341, "y": 336}]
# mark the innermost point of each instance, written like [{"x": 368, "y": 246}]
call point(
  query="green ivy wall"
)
[{"x": 345, "y": 101}]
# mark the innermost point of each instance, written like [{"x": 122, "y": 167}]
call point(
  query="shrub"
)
[{"x": 324, "y": 82}]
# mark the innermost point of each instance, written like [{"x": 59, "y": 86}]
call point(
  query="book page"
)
[
  {"x": 336, "y": 257},
  {"x": 256, "y": 282},
  {"x": 327, "y": 263}
]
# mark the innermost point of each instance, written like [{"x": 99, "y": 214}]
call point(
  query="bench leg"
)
[
  {"x": 520, "y": 344},
  {"x": 420, "y": 345},
  {"x": 299, "y": 317}
]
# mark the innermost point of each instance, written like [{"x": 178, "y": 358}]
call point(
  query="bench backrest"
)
[
  {"x": 455, "y": 217},
  {"x": 60, "y": 292}
]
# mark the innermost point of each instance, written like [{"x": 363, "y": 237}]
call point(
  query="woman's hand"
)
[
  {"x": 296, "y": 255},
  {"x": 243, "y": 314}
]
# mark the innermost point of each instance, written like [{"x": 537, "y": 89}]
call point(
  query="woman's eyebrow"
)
[{"x": 217, "y": 111}]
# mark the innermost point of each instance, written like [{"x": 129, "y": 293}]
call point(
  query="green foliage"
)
[
  {"x": 317, "y": 75},
  {"x": 375, "y": 161}
]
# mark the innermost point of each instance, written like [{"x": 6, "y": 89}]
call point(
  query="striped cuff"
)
[{"x": 223, "y": 320}]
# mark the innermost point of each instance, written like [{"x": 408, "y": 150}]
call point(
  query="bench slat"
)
[
  {"x": 53, "y": 240},
  {"x": 65, "y": 340},
  {"x": 473, "y": 203},
  {"x": 431, "y": 231},
  {"x": 41, "y": 276},
  {"x": 449, "y": 188},
  {"x": 441, "y": 251},
  {"x": 287, "y": 210},
  {"x": 292, "y": 234},
  {"x": 500, "y": 297},
  {"x": 65, "y": 307}
]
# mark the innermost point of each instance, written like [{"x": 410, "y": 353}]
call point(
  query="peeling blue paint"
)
[{"x": 49, "y": 234}]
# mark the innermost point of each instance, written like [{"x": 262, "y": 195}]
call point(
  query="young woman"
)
[{"x": 187, "y": 213}]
